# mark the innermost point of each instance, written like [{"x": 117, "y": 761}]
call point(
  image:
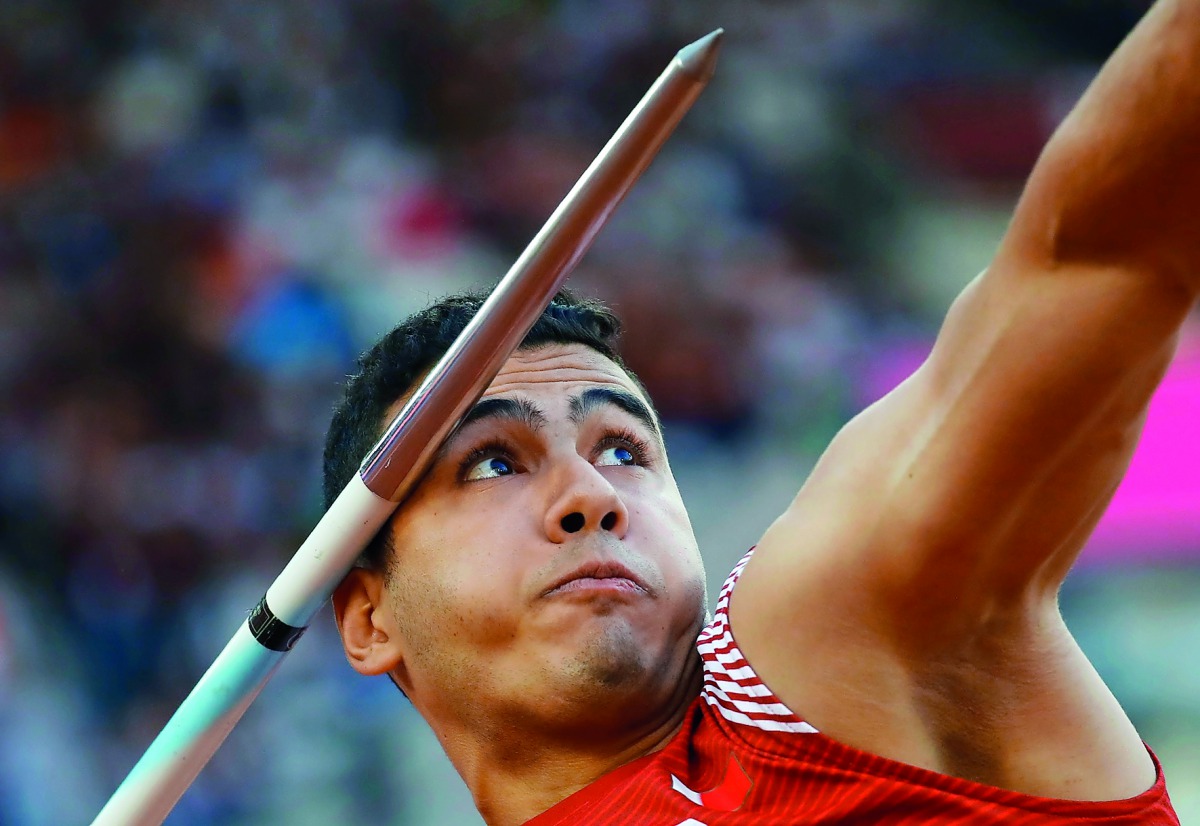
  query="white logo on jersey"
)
[{"x": 726, "y": 796}]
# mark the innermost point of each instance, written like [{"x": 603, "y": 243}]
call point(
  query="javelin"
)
[{"x": 405, "y": 451}]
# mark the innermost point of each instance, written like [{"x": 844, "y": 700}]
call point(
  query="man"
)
[{"x": 892, "y": 652}]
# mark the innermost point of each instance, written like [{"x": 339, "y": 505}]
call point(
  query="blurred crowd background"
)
[{"x": 208, "y": 208}]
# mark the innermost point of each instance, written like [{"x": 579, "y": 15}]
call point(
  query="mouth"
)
[{"x": 598, "y": 578}]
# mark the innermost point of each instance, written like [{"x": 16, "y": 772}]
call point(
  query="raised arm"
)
[
  {"x": 955, "y": 506},
  {"x": 1119, "y": 183},
  {"x": 1005, "y": 447}
]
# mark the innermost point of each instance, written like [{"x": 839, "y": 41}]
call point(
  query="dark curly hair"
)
[{"x": 398, "y": 361}]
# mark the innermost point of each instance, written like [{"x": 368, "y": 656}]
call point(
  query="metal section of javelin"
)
[
  {"x": 406, "y": 449},
  {"x": 477, "y": 356}
]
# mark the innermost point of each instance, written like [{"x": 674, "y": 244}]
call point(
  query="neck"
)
[{"x": 517, "y": 770}]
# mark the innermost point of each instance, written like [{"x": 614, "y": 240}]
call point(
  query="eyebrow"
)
[
  {"x": 589, "y": 400},
  {"x": 522, "y": 411}
]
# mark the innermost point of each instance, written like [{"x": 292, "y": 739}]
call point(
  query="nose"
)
[{"x": 584, "y": 501}]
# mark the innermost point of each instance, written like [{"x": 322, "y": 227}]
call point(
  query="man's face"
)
[{"x": 546, "y": 562}]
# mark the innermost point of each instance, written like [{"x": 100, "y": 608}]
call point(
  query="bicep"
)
[
  {"x": 977, "y": 480},
  {"x": 1011, "y": 438}
]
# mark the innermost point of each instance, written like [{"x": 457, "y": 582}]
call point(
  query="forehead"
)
[{"x": 559, "y": 370}]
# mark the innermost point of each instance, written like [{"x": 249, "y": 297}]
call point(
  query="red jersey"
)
[{"x": 743, "y": 757}]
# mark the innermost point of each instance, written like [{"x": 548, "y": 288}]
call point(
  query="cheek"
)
[
  {"x": 664, "y": 531},
  {"x": 419, "y": 605},
  {"x": 454, "y": 585},
  {"x": 662, "y": 508}
]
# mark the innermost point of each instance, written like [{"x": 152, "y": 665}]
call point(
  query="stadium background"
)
[{"x": 207, "y": 208}]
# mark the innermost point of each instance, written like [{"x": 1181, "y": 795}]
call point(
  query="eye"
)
[
  {"x": 616, "y": 455},
  {"x": 479, "y": 466},
  {"x": 623, "y": 448}
]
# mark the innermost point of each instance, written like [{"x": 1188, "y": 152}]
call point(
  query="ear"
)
[{"x": 369, "y": 636}]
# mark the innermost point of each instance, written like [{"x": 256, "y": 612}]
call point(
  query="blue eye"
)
[
  {"x": 490, "y": 468},
  {"x": 616, "y": 456}
]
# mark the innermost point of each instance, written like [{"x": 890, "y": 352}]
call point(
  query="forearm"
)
[{"x": 1119, "y": 183}]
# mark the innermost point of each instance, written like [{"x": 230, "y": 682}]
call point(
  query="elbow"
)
[{"x": 1083, "y": 211}]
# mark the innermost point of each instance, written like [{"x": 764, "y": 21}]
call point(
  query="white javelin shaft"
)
[{"x": 402, "y": 455}]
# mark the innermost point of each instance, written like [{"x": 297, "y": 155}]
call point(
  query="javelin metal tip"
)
[{"x": 700, "y": 58}]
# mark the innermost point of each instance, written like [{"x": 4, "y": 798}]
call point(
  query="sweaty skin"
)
[{"x": 535, "y": 694}]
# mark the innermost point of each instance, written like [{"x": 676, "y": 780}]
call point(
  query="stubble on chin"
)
[{"x": 609, "y": 660}]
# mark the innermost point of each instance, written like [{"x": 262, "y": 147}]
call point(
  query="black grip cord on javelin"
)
[{"x": 270, "y": 631}]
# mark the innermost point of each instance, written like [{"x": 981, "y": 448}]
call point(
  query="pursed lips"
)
[{"x": 597, "y": 576}]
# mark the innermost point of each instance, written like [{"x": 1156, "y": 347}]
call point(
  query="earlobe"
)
[{"x": 371, "y": 643}]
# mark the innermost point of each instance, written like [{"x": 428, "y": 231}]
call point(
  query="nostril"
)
[
  {"x": 609, "y": 521},
  {"x": 572, "y": 522}
]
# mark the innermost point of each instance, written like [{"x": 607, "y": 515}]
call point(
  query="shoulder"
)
[{"x": 732, "y": 688}]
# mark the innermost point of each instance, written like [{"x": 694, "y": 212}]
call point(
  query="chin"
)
[{"x": 613, "y": 665}]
